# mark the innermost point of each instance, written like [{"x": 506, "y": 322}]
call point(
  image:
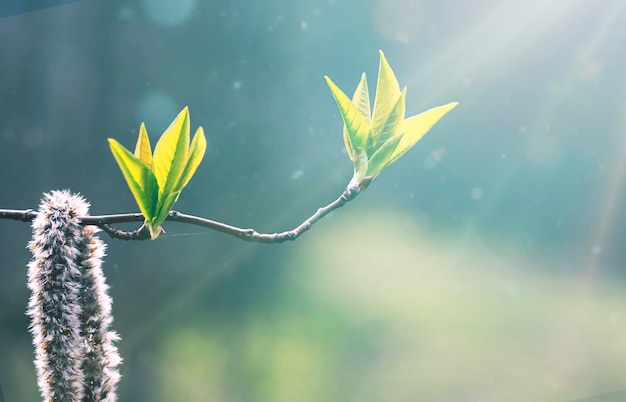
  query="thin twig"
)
[
  {"x": 251, "y": 235},
  {"x": 26, "y": 215}
]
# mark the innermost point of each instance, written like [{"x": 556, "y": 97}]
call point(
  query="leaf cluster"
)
[
  {"x": 156, "y": 180},
  {"x": 376, "y": 139}
]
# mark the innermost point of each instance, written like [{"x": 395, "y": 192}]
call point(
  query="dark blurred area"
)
[
  {"x": 486, "y": 264},
  {"x": 15, "y": 7}
]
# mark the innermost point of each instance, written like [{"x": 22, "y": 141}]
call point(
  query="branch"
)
[{"x": 251, "y": 235}]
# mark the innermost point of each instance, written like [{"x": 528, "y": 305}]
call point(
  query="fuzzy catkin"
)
[
  {"x": 70, "y": 309},
  {"x": 101, "y": 357}
]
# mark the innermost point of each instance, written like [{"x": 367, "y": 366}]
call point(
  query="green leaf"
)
[
  {"x": 387, "y": 94},
  {"x": 196, "y": 153},
  {"x": 355, "y": 122},
  {"x": 390, "y": 125},
  {"x": 165, "y": 205},
  {"x": 140, "y": 179},
  {"x": 381, "y": 157},
  {"x": 416, "y": 126},
  {"x": 170, "y": 153},
  {"x": 142, "y": 149},
  {"x": 360, "y": 99}
]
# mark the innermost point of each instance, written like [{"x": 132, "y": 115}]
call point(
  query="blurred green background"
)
[{"x": 485, "y": 265}]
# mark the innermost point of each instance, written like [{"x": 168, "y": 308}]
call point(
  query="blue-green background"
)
[{"x": 487, "y": 264}]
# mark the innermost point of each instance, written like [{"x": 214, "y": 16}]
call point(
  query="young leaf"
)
[
  {"x": 165, "y": 205},
  {"x": 416, "y": 126},
  {"x": 140, "y": 179},
  {"x": 170, "y": 153},
  {"x": 381, "y": 157},
  {"x": 360, "y": 99},
  {"x": 196, "y": 153},
  {"x": 142, "y": 149},
  {"x": 387, "y": 93},
  {"x": 389, "y": 125},
  {"x": 356, "y": 123}
]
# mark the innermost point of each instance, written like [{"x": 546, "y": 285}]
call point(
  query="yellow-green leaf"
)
[
  {"x": 416, "y": 126},
  {"x": 360, "y": 99},
  {"x": 139, "y": 177},
  {"x": 387, "y": 93},
  {"x": 165, "y": 205},
  {"x": 142, "y": 149},
  {"x": 381, "y": 157},
  {"x": 170, "y": 153},
  {"x": 389, "y": 125},
  {"x": 355, "y": 122},
  {"x": 196, "y": 153}
]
